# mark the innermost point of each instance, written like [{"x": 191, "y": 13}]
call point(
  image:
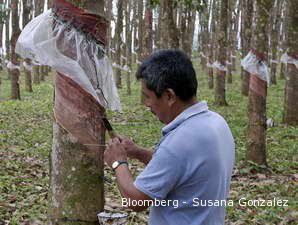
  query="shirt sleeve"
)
[{"x": 160, "y": 176}]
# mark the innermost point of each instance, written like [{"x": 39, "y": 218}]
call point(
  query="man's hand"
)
[
  {"x": 114, "y": 152},
  {"x": 130, "y": 147}
]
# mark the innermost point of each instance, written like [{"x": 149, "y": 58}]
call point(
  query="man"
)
[{"x": 194, "y": 159}]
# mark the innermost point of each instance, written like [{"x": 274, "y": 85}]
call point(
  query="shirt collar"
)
[{"x": 187, "y": 113}]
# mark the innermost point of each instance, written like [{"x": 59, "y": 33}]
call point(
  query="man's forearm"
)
[{"x": 128, "y": 189}]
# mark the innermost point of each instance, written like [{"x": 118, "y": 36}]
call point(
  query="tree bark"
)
[
  {"x": 26, "y": 18},
  {"x": 247, "y": 15},
  {"x": 170, "y": 37},
  {"x": 14, "y": 73},
  {"x": 118, "y": 42},
  {"x": 256, "y": 150},
  {"x": 1, "y": 32},
  {"x": 276, "y": 15},
  {"x": 76, "y": 190},
  {"x": 128, "y": 33},
  {"x": 220, "y": 83},
  {"x": 7, "y": 40},
  {"x": 291, "y": 89},
  {"x": 148, "y": 37},
  {"x": 140, "y": 28}
]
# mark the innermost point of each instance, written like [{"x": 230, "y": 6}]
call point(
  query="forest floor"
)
[{"x": 26, "y": 137}]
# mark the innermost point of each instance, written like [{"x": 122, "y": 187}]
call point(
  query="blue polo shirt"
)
[{"x": 190, "y": 169}]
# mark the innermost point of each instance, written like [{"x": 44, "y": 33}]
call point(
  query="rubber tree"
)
[
  {"x": 220, "y": 80},
  {"x": 76, "y": 191},
  {"x": 256, "y": 149},
  {"x": 246, "y": 33},
  {"x": 37, "y": 76},
  {"x": 27, "y": 4},
  {"x": 275, "y": 25},
  {"x": 118, "y": 42},
  {"x": 14, "y": 70},
  {"x": 291, "y": 89},
  {"x": 128, "y": 35}
]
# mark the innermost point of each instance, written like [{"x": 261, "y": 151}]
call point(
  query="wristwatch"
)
[{"x": 118, "y": 163}]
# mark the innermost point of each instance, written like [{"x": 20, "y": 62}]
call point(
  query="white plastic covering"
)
[
  {"x": 12, "y": 66},
  {"x": 71, "y": 53},
  {"x": 209, "y": 65},
  {"x": 253, "y": 65},
  {"x": 217, "y": 65},
  {"x": 274, "y": 61},
  {"x": 285, "y": 58},
  {"x": 27, "y": 66}
]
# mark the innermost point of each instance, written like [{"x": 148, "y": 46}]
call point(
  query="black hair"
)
[{"x": 169, "y": 69}]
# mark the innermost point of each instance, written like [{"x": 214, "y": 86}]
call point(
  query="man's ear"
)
[{"x": 170, "y": 96}]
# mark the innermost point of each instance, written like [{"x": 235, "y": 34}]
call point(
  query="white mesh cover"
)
[
  {"x": 253, "y": 65},
  {"x": 50, "y": 42}
]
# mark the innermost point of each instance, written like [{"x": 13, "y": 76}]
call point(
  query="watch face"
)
[{"x": 115, "y": 164}]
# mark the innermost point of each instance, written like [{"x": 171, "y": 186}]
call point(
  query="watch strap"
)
[{"x": 120, "y": 163}]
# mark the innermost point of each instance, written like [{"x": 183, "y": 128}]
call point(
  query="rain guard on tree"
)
[{"x": 72, "y": 42}]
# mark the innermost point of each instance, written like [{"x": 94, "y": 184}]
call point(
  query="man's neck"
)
[{"x": 181, "y": 106}]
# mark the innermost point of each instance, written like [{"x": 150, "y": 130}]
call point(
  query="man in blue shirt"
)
[{"x": 187, "y": 177}]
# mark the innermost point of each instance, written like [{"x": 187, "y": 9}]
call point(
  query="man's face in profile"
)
[{"x": 158, "y": 105}]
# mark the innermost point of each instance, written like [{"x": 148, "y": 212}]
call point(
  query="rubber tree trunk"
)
[
  {"x": 36, "y": 74},
  {"x": 148, "y": 37},
  {"x": 27, "y": 4},
  {"x": 7, "y": 44},
  {"x": 247, "y": 14},
  {"x": 77, "y": 191},
  {"x": 128, "y": 33},
  {"x": 220, "y": 80},
  {"x": 1, "y": 32},
  {"x": 256, "y": 149},
  {"x": 169, "y": 32},
  {"x": 140, "y": 29},
  {"x": 276, "y": 15},
  {"x": 118, "y": 42},
  {"x": 291, "y": 89},
  {"x": 28, "y": 78},
  {"x": 14, "y": 73}
]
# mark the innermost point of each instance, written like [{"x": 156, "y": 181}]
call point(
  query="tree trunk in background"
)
[
  {"x": 140, "y": 28},
  {"x": 7, "y": 42},
  {"x": 135, "y": 31},
  {"x": 230, "y": 41},
  {"x": 158, "y": 29},
  {"x": 256, "y": 149},
  {"x": 282, "y": 38},
  {"x": 109, "y": 16},
  {"x": 128, "y": 33},
  {"x": 203, "y": 18},
  {"x": 170, "y": 36},
  {"x": 14, "y": 73},
  {"x": 36, "y": 68},
  {"x": 212, "y": 43},
  {"x": 28, "y": 68},
  {"x": 77, "y": 193},
  {"x": 276, "y": 14},
  {"x": 291, "y": 90},
  {"x": 235, "y": 29},
  {"x": 118, "y": 42},
  {"x": 148, "y": 37},
  {"x": 1, "y": 47},
  {"x": 164, "y": 36},
  {"x": 220, "y": 81},
  {"x": 187, "y": 29},
  {"x": 247, "y": 11},
  {"x": 36, "y": 75}
]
